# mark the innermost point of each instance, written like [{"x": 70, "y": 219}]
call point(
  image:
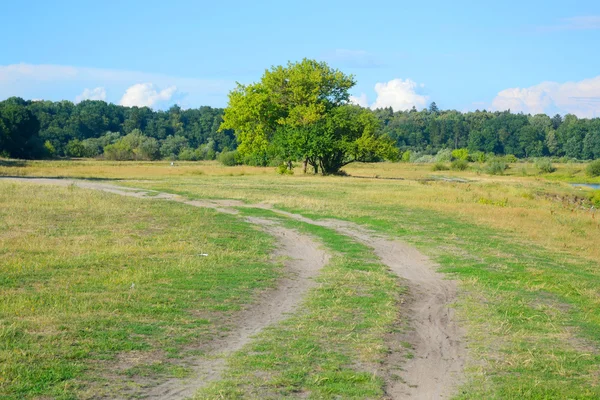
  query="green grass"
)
[
  {"x": 527, "y": 266},
  {"x": 330, "y": 348},
  {"x": 531, "y": 313},
  {"x": 99, "y": 289}
]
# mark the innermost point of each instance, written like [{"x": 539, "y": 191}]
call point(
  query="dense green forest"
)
[{"x": 45, "y": 129}]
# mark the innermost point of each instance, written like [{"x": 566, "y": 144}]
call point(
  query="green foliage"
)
[
  {"x": 460, "y": 154},
  {"x": 593, "y": 169},
  {"x": 229, "y": 158},
  {"x": 118, "y": 151},
  {"x": 50, "y": 150},
  {"x": 439, "y": 166},
  {"x": 595, "y": 198},
  {"x": 19, "y": 129},
  {"x": 510, "y": 158},
  {"x": 406, "y": 156},
  {"x": 300, "y": 112},
  {"x": 444, "y": 155},
  {"x": 459, "y": 165},
  {"x": 496, "y": 167},
  {"x": 75, "y": 148},
  {"x": 478, "y": 156},
  {"x": 544, "y": 165},
  {"x": 282, "y": 169}
]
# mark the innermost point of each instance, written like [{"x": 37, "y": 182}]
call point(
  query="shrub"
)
[
  {"x": 478, "y": 156},
  {"x": 595, "y": 198},
  {"x": 282, "y": 169},
  {"x": 444, "y": 155},
  {"x": 496, "y": 167},
  {"x": 460, "y": 154},
  {"x": 189, "y": 154},
  {"x": 439, "y": 167},
  {"x": 405, "y": 156},
  {"x": 424, "y": 159},
  {"x": 75, "y": 148},
  {"x": 118, "y": 151},
  {"x": 50, "y": 150},
  {"x": 459, "y": 165},
  {"x": 229, "y": 158},
  {"x": 544, "y": 165},
  {"x": 593, "y": 169},
  {"x": 510, "y": 158}
]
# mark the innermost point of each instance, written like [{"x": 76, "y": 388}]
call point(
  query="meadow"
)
[{"x": 523, "y": 247}]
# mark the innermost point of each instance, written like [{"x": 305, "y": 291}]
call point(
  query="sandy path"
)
[
  {"x": 304, "y": 258},
  {"x": 436, "y": 370}
]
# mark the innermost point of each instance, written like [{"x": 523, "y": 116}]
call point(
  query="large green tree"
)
[{"x": 301, "y": 112}]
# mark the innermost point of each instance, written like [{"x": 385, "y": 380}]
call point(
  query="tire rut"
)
[{"x": 435, "y": 371}]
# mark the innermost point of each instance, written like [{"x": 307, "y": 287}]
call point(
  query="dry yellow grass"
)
[{"x": 521, "y": 202}]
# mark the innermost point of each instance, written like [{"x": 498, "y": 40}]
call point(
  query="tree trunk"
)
[{"x": 305, "y": 165}]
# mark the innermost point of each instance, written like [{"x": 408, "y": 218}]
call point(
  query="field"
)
[{"x": 104, "y": 293}]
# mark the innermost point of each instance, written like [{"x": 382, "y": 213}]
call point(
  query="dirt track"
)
[{"x": 436, "y": 369}]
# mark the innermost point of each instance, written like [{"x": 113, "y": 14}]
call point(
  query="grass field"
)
[
  {"x": 524, "y": 248},
  {"x": 98, "y": 290}
]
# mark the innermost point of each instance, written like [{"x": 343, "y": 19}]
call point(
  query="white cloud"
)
[
  {"x": 98, "y": 93},
  {"x": 57, "y": 82},
  {"x": 146, "y": 95},
  {"x": 399, "y": 94},
  {"x": 581, "y": 98},
  {"x": 361, "y": 100}
]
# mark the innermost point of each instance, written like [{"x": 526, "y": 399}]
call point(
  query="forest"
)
[{"x": 46, "y": 129}]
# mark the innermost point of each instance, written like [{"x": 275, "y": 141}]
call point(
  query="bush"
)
[
  {"x": 229, "y": 158},
  {"x": 282, "y": 169},
  {"x": 544, "y": 165},
  {"x": 459, "y": 165},
  {"x": 444, "y": 155},
  {"x": 593, "y": 169},
  {"x": 118, "y": 151},
  {"x": 189, "y": 154},
  {"x": 595, "y": 198},
  {"x": 405, "y": 156},
  {"x": 440, "y": 167},
  {"x": 50, "y": 150},
  {"x": 478, "y": 156},
  {"x": 509, "y": 158},
  {"x": 75, "y": 148},
  {"x": 460, "y": 154},
  {"x": 496, "y": 167},
  {"x": 424, "y": 159}
]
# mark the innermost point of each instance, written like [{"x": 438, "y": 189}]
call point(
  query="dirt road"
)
[{"x": 435, "y": 371}]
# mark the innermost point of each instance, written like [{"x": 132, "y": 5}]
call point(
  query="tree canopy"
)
[{"x": 301, "y": 112}]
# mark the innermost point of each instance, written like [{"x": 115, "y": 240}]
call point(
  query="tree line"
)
[
  {"x": 271, "y": 126},
  {"x": 91, "y": 128}
]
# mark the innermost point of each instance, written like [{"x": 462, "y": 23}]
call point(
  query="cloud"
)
[
  {"x": 58, "y": 82},
  {"x": 146, "y": 95},
  {"x": 98, "y": 93},
  {"x": 581, "y": 98},
  {"x": 399, "y": 94},
  {"x": 352, "y": 58},
  {"x": 360, "y": 100}
]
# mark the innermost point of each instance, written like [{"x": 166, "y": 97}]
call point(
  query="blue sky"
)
[{"x": 531, "y": 56}]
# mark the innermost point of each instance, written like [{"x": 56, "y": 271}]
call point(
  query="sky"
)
[{"x": 527, "y": 56}]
